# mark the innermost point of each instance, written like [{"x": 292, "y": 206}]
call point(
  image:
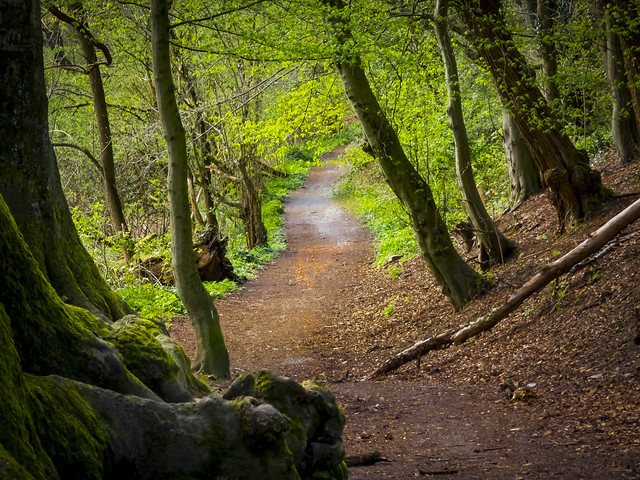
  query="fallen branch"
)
[
  {"x": 549, "y": 272},
  {"x": 364, "y": 459}
]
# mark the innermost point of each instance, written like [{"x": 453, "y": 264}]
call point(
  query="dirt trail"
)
[
  {"x": 267, "y": 324},
  {"x": 424, "y": 427}
]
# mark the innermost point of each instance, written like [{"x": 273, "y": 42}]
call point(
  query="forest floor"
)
[{"x": 321, "y": 310}]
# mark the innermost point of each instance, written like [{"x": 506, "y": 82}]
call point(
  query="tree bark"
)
[
  {"x": 575, "y": 190},
  {"x": 497, "y": 246},
  {"x": 623, "y": 121},
  {"x": 625, "y": 13},
  {"x": 29, "y": 178},
  {"x": 548, "y": 273},
  {"x": 114, "y": 204},
  {"x": 211, "y": 352},
  {"x": 548, "y": 52},
  {"x": 251, "y": 214},
  {"x": 524, "y": 177},
  {"x": 459, "y": 281},
  {"x": 204, "y": 148}
]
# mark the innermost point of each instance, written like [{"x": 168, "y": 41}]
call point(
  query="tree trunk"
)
[
  {"x": 112, "y": 196},
  {"x": 193, "y": 200},
  {"x": 29, "y": 178},
  {"x": 524, "y": 177},
  {"x": 458, "y": 280},
  {"x": 575, "y": 190},
  {"x": 553, "y": 270},
  {"x": 202, "y": 145},
  {"x": 623, "y": 122},
  {"x": 548, "y": 52},
  {"x": 251, "y": 213},
  {"x": 625, "y": 14},
  {"x": 211, "y": 352},
  {"x": 496, "y": 245}
]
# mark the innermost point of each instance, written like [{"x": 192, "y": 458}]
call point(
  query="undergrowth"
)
[
  {"x": 365, "y": 193},
  {"x": 153, "y": 300}
]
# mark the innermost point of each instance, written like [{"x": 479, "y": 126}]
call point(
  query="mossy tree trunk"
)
[
  {"x": 458, "y": 280},
  {"x": 492, "y": 241},
  {"x": 29, "y": 177},
  {"x": 211, "y": 352},
  {"x": 251, "y": 205},
  {"x": 575, "y": 190}
]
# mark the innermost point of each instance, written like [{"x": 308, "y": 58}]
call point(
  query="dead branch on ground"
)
[{"x": 594, "y": 242}]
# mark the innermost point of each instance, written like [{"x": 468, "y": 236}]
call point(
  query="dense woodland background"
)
[
  {"x": 257, "y": 91},
  {"x": 453, "y": 113}
]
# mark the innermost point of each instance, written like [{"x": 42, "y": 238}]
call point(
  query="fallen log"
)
[{"x": 594, "y": 242}]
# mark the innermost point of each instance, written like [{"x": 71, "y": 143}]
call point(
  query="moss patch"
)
[
  {"x": 137, "y": 341},
  {"x": 19, "y": 444},
  {"x": 68, "y": 428}
]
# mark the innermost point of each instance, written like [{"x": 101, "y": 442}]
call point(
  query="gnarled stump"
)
[{"x": 210, "y": 255}]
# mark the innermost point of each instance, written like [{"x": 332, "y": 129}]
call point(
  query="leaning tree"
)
[{"x": 575, "y": 190}]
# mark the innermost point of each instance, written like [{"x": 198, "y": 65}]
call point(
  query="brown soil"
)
[{"x": 318, "y": 311}]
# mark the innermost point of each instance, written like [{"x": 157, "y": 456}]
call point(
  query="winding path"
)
[{"x": 425, "y": 428}]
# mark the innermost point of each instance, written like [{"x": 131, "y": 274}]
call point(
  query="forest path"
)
[{"x": 425, "y": 428}]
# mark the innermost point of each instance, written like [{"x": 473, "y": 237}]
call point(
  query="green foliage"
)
[
  {"x": 395, "y": 272},
  {"x": 365, "y": 194},
  {"x": 153, "y": 301},
  {"x": 163, "y": 302}
]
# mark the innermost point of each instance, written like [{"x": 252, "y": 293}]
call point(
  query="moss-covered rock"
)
[
  {"x": 212, "y": 438},
  {"x": 145, "y": 355},
  {"x": 315, "y": 433},
  {"x": 185, "y": 375},
  {"x": 10, "y": 468}
]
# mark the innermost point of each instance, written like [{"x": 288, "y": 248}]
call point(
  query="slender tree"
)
[
  {"x": 624, "y": 15},
  {"x": 107, "y": 162},
  {"x": 626, "y": 136},
  {"x": 211, "y": 353},
  {"x": 458, "y": 281},
  {"x": 575, "y": 190},
  {"x": 496, "y": 245}
]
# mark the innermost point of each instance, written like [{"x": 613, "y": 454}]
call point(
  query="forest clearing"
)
[{"x": 319, "y": 239}]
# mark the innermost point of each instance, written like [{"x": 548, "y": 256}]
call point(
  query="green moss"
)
[
  {"x": 20, "y": 448},
  {"x": 10, "y": 468},
  {"x": 68, "y": 428},
  {"x": 316, "y": 421},
  {"x": 50, "y": 336},
  {"x": 143, "y": 354}
]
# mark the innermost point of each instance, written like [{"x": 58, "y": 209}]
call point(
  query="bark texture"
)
[
  {"x": 459, "y": 281},
  {"x": 524, "y": 177},
  {"x": 624, "y": 127},
  {"x": 624, "y": 15},
  {"x": 29, "y": 178},
  {"x": 211, "y": 352},
  {"x": 575, "y": 190},
  {"x": 497, "y": 246}
]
